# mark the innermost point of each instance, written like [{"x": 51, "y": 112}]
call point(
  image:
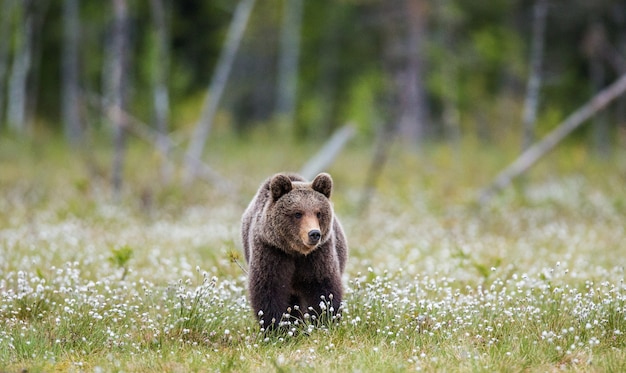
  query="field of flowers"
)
[{"x": 154, "y": 282}]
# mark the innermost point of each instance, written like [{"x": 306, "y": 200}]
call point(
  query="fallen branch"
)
[
  {"x": 541, "y": 148},
  {"x": 327, "y": 154},
  {"x": 157, "y": 139},
  {"x": 216, "y": 89}
]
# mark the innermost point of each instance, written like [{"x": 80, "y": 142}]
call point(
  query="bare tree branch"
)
[
  {"x": 157, "y": 139},
  {"x": 538, "y": 150},
  {"x": 216, "y": 88},
  {"x": 327, "y": 154}
]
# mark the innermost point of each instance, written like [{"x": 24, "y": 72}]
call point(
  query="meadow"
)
[{"x": 533, "y": 281}]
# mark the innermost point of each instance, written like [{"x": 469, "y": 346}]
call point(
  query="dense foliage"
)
[{"x": 475, "y": 58}]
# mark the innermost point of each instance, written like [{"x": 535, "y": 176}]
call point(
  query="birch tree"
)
[
  {"x": 6, "y": 10},
  {"x": 451, "y": 115},
  {"x": 405, "y": 25},
  {"x": 160, "y": 93},
  {"x": 414, "y": 118},
  {"x": 70, "y": 73},
  {"x": 540, "y": 11},
  {"x": 288, "y": 63},
  {"x": 20, "y": 67},
  {"x": 119, "y": 65}
]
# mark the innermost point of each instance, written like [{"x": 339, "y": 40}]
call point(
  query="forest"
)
[
  {"x": 478, "y": 156},
  {"x": 430, "y": 71}
]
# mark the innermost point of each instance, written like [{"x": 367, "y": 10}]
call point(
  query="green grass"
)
[{"x": 532, "y": 282}]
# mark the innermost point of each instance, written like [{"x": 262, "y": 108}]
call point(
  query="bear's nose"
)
[{"x": 314, "y": 235}]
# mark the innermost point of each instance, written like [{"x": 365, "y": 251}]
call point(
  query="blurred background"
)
[{"x": 197, "y": 83}]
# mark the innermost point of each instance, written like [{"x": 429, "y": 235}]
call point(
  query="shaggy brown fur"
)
[{"x": 294, "y": 245}]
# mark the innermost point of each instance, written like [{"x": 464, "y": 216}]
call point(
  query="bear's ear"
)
[
  {"x": 323, "y": 183},
  {"x": 279, "y": 186}
]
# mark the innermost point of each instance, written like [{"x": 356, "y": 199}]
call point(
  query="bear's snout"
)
[
  {"x": 310, "y": 233},
  {"x": 314, "y": 236}
]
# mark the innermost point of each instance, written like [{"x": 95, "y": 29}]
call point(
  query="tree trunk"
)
[
  {"x": 18, "y": 81},
  {"x": 119, "y": 49},
  {"x": 69, "y": 72},
  {"x": 384, "y": 141},
  {"x": 160, "y": 63},
  {"x": 6, "y": 9},
  {"x": 451, "y": 115},
  {"x": 405, "y": 27},
  {"x": 619, "y": 52},
  {"x": 598, "y": 51},
  {"x": 410, "y": 79},
  {"x": 600, "y": 126},
  {"x": 538, "y": 150},
  {"x": 327, "y": 84},
  {"x": 216, "y": 88},
  {"x": 39, "y": 10},
  {"x": 288, "y": 64},
  {"x": 540, "y": 11}
]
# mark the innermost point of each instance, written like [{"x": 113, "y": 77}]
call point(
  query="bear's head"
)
[{"x": 300, "y": 215}]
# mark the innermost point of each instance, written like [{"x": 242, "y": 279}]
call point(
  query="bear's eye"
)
[
  {"x": 319, "y": 215},
  {"x": 298, "y": 215}
]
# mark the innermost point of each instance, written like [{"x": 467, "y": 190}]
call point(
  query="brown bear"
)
[{"x": 295, "y": 248}]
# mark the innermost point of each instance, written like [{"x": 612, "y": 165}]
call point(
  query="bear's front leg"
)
[
  {"x": 326, "y": 299},
  {"x": 319, "y": 275},
  {"x": 269, "y": 284}
]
